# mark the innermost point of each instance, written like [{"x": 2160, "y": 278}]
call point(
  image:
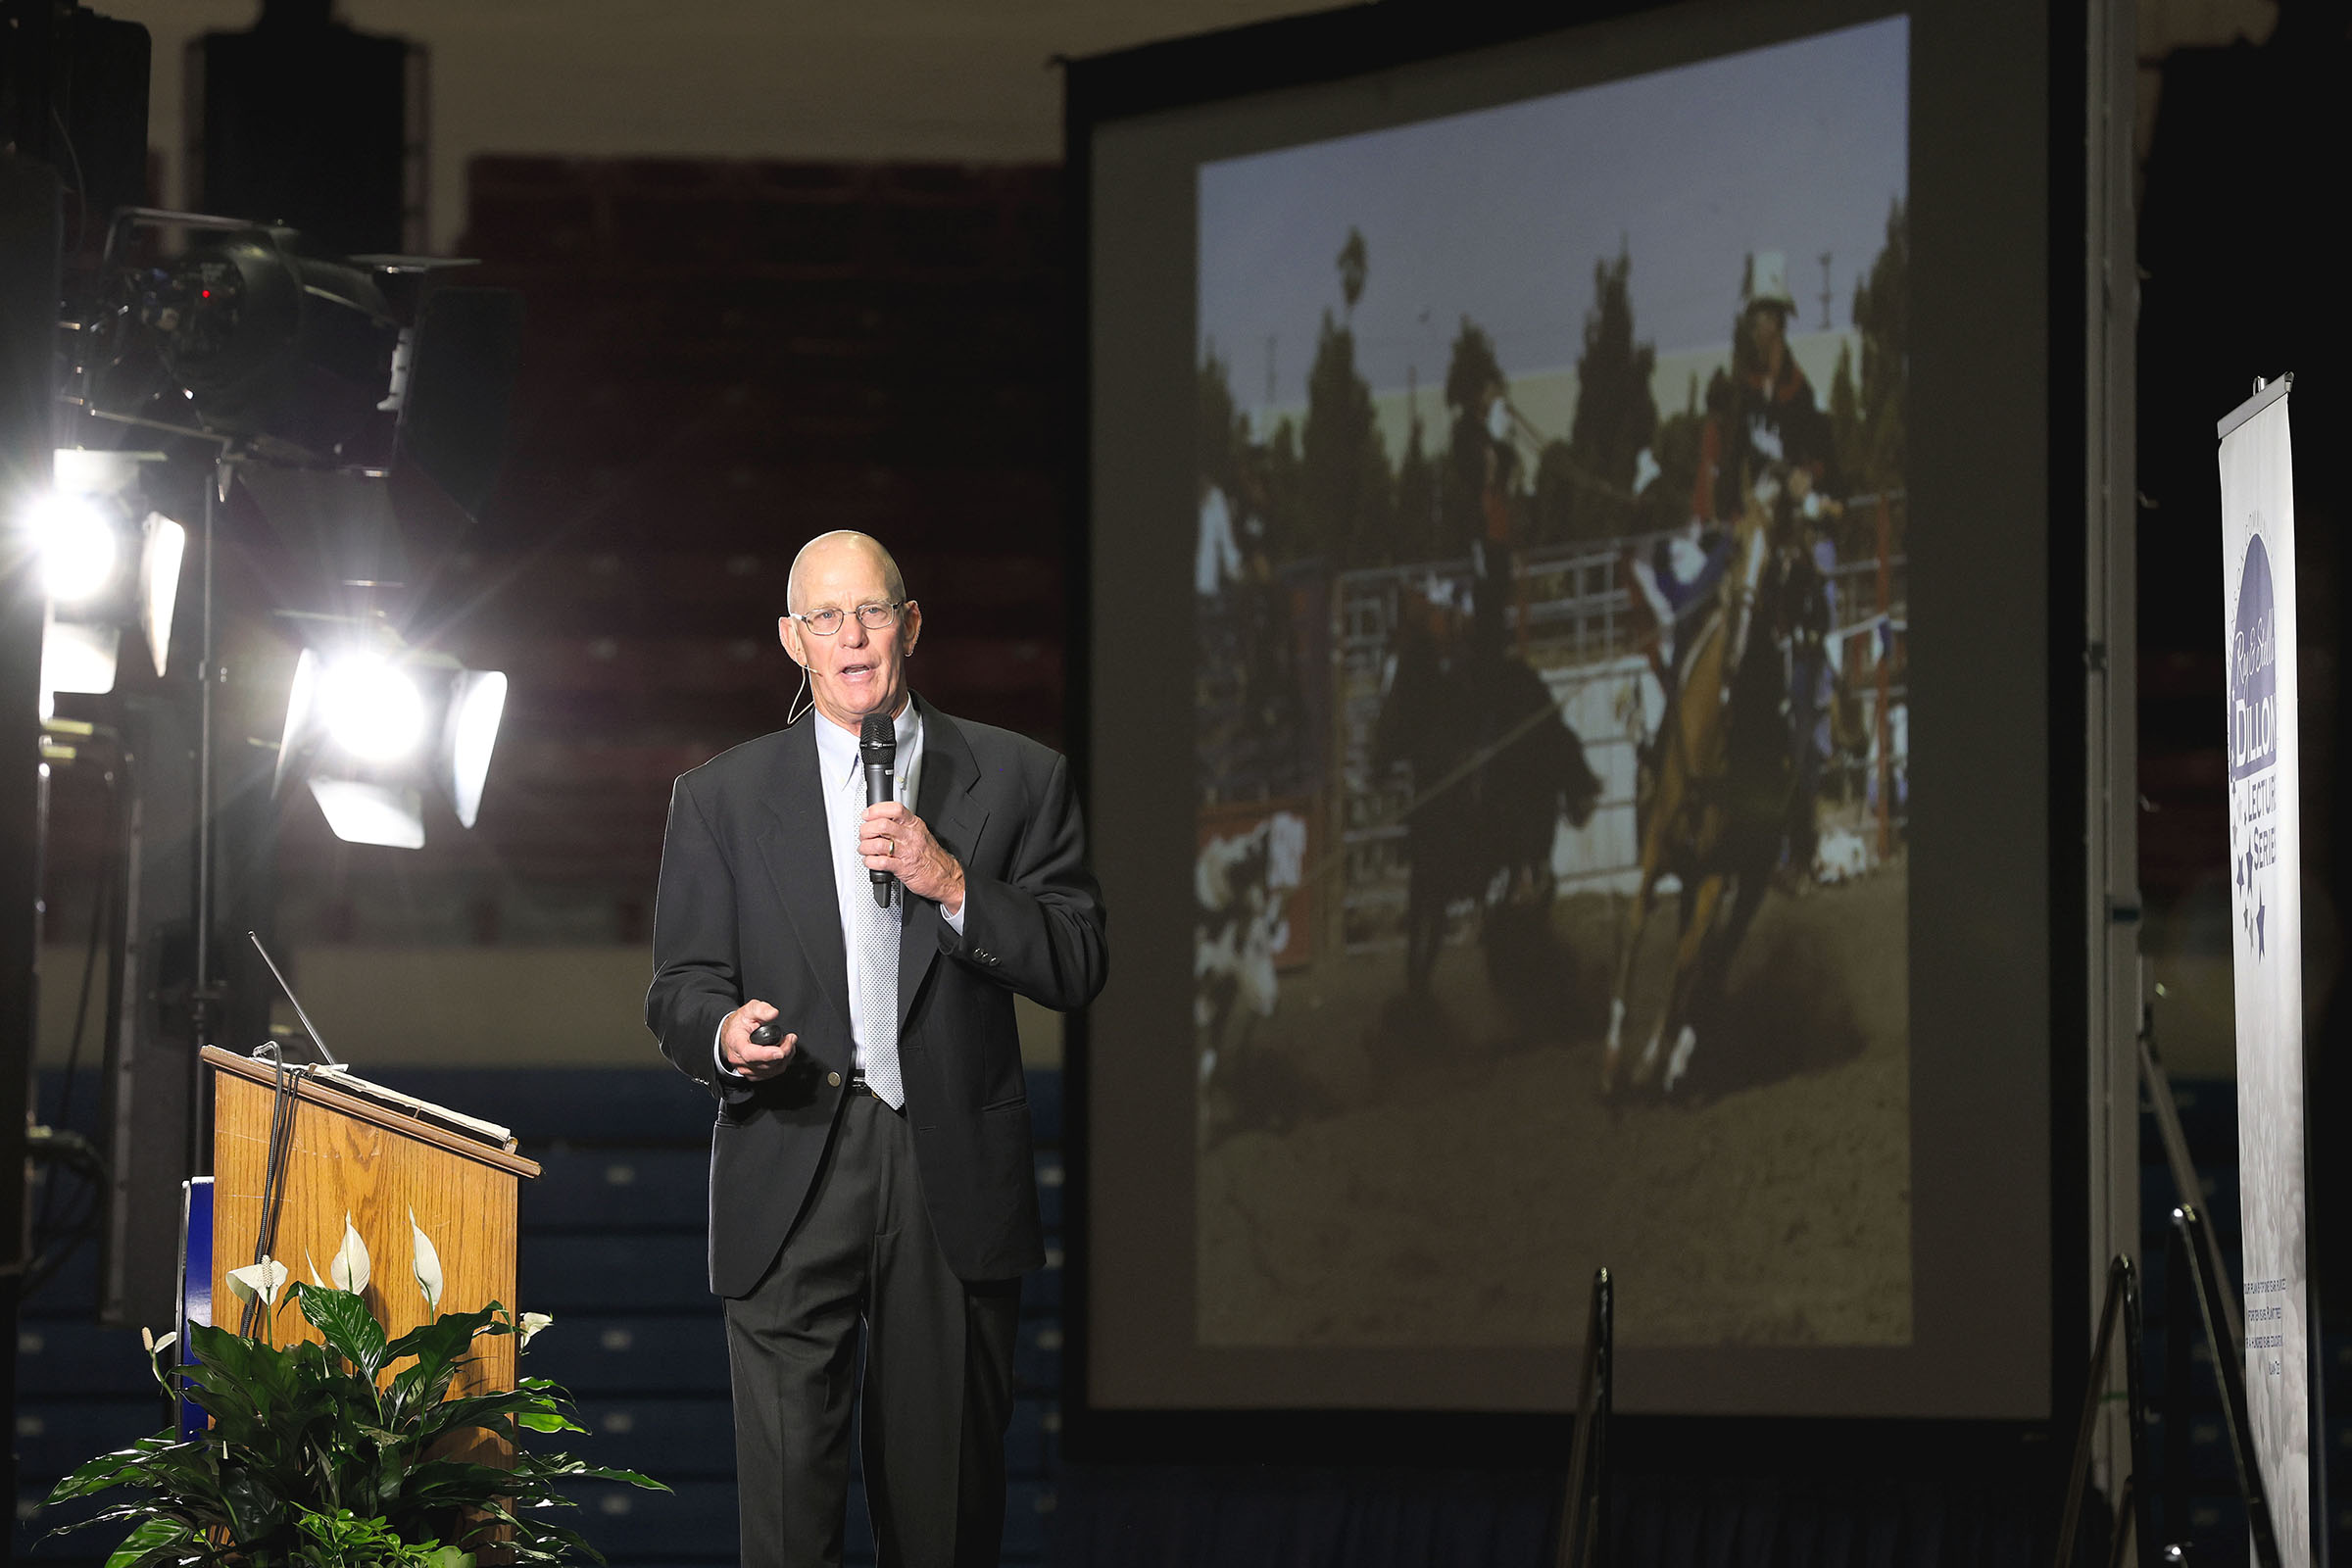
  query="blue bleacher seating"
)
[
  {"x": 55, "y": 1436},
  {"x": 603, "y": 1272},
  {"x": 2217, "y": 1527},
  {"x": 1036, "y": 1357},
  {"x": 69, "y": 1293},
  {"x": 674, "y": 1438},
  {"x": 1044, "y": 1105},
  {"x": 2335, "y": 1360},
  {"x": 2208, "y": 1109},
  {"x": 2158, "y": 1194},
  {"x": 76, "y": 1358},
  {"x": 1051, "y": 1179},
  {"x": 1025, "y": 1441},
  {"x": 1041, "y": 1291},
  {"x": 1028, "y": 1510},
  {"x": 618, "y": 1188},
  {"x": 694, "y": 1519},
  {"x": 602, "y": 1354}
]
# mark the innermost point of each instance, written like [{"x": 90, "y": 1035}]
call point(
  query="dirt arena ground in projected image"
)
[{"x": 1393, "y": 1174}]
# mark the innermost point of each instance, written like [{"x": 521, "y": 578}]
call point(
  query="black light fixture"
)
[
  {"x": 295, "y": 356},
  {"x": 252, "y": 337}
]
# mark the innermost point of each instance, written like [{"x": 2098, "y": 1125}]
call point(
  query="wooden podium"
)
[{"x": 376, "y": 1163}]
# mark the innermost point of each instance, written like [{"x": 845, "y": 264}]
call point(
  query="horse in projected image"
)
[
  {"x": 1714, "y": 804},
  {"x": 1495, "y": 767}
]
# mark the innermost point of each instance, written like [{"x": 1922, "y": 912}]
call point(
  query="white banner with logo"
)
[{"x": 2265, "y": 904}]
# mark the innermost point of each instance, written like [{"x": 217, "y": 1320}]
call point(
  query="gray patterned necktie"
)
[{"x": 878, "y": 1001}]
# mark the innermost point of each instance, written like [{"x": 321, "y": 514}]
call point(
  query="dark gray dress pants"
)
[{"x": 938, "y": 1388}]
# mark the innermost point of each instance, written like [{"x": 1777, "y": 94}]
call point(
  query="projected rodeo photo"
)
[{"x": 1553, "y": 728}]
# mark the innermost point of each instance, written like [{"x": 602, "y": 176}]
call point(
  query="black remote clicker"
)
[{"x": 768, "y": 1034}]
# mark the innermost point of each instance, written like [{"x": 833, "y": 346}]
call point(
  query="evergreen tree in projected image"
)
[
  {"x": 1846, "y": 417},
  {"x": 1883, "y": 319},
  {"x": 1288, "y": 535},
  {"x": 1585, "y": 490},
  {"x": 1565, "y": 496},
  {"x": 1349, "y": 504},
  {"x": 1419, "y": 528},
  {"x": 1471, "y": 372},
  {"x": 1221, "y": 440}
]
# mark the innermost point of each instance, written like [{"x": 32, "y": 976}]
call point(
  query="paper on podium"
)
[{"x": 489, "y": 1132}]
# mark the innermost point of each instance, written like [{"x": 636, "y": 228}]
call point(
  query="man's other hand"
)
[{"x": 755, "y": 1063}]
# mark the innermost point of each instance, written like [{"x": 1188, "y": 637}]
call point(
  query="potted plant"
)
[{"x": 315, "y": 1458}]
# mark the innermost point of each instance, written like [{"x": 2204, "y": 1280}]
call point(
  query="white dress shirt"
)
[{"x": 841, "y": 776}]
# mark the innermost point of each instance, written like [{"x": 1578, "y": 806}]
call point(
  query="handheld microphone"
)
[{"x": 878, "y": 750}]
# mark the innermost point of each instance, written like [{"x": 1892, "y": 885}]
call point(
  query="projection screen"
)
[{"x": 1568, "y": 718}]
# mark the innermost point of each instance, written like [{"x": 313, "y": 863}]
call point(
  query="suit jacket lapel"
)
[
  {"x": 800, "y": 860},
  {"x": 944, "y": 801}
]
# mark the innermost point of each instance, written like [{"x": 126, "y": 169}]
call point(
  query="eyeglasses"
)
[{"x": 873, "y": 617}]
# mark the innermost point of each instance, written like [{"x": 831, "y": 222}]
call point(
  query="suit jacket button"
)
[{"x": 833, "y": 1080}]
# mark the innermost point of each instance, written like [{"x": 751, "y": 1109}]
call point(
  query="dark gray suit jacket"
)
[{"x": 748, "y": 908}]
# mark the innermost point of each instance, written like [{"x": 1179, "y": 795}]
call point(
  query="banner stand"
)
[{"x": 2264, "y": 749}]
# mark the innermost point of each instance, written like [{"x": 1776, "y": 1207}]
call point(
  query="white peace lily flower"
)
[
  {"x": 533, "y": 1323},
  {"x": 427, "y": 1264},
  {"x": 156, "y": 1346},
  {"x": 257, "y": 1281},
  {"x": 349, "y": 1267},
  {"x": 312, "y": 1264}
]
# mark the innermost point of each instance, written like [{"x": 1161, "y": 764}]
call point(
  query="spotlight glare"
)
[
  {"x": 75, "y": 546},
  {"x": 373, "y": 729},
  {"x": 370, "y": 813},
  {"x": 159, "y": 583},
  {"x": 372, "y": 708},
  {"x": 478, "y": 703},
  {"x": 78, "y": 658}
]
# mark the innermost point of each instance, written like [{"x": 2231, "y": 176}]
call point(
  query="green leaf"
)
[
  {"x": 458, "y": 1483},
  {"x": 440, "y": 1345},
  {"x": 157, "y": 1540},
  {"x": 125, "y": 1465},
  {"x": 547, "y": 1421},
  {"x": 255, "y": 1511},
  {"x": 542, "y": 1468},
  {"x": 489, "y": 1409},
  {"x": 350, "y": 1329}
]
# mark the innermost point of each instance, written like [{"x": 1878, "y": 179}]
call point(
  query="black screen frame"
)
[{"x": 1332, "y": 46}]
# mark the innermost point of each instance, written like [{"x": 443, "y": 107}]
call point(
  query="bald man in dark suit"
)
[{"x": 872, "y": 1168}]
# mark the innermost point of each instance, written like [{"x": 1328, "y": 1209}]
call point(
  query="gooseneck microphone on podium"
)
[{"x": 878, "y": 750}]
